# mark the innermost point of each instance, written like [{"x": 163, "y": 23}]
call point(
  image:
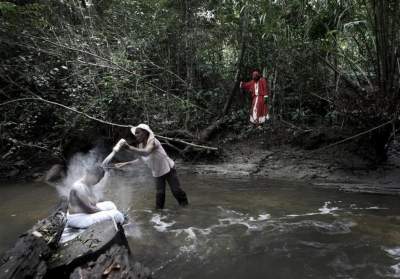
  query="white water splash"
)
[
  {"x": 251, "y": 223},
  {"x": 238, "y": 221},
  {"x": 301, "y": 215},
  {"x": 132, "y": 230},
  {"x": 376, "y": 208},
  {"x": 160, "y": 225},
  {"x": 261, "y": 217},
  {"x": 326, "y": 209},
  {"x": 192, "y": 239},
  {"x": 230, "y": 211},
  {"x": 396, "y": 270},
  {"x": 395, "y": 254},
  {"x": 354, "y": 207},
  {"x": 193, "y": 235}
]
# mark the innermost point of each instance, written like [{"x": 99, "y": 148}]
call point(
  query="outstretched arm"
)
[
  {"x": 143, "y": 151},
  {"x": 134, "y": 162},
  {"x": 246, "y": 85},
  {"x": 116, "y": 148},
  {"x": 108, "y": 159}
]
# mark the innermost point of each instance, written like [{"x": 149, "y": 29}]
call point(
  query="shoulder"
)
[
  {"x": 153, "y": 142},
  {"x": 151, "y": 145}
]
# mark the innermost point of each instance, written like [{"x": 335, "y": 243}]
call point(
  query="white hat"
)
[{"x": 143, "y": 127}]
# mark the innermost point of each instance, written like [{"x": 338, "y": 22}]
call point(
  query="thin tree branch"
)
[
  {"x": 101, "y": 120},
  {"x": 355, "y": 136},
  {"x": 187, "y": 143}
]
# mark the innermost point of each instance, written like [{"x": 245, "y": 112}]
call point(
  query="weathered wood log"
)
[
  {"x": 87, "y": 246},
  {"x": 27, "y": 259},
  {"x": 116, "y": 263}
]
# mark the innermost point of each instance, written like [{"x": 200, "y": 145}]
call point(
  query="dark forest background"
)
[{"x": 333, "y": 67}]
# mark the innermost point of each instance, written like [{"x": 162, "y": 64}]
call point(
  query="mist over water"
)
[
  {"x": 80, "y": 163},
  {"x": 76, "y": 169}
]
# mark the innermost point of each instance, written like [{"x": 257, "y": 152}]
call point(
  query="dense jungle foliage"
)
[{"x": 176, "y": 65}]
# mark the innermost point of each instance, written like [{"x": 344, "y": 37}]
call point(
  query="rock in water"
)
[
  {"x": 116, "y": 263},
  {"x": 85, "y": 247},
  {"x": 27, "y": 259}
]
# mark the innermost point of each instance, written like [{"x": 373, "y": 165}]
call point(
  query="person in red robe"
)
[{"x": 258, "y": 88}]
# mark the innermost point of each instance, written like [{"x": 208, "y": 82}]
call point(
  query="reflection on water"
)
[{"x": 243, "y": 228}]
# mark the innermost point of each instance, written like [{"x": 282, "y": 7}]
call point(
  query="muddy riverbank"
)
[
  {"x": 334, "y": 168},
  {"x": 271, "y": 154}
]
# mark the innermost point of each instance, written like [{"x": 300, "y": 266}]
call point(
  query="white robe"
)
[{"x": 84, "y": 220}]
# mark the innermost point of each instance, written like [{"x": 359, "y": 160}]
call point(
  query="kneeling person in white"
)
[{"x": 84, "y": 210}]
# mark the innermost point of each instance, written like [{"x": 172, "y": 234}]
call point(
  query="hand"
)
[
  {"x": 123, "y": 143},
  {"x": 240, "y": 84},
  {"x": 120, "y": 165}
]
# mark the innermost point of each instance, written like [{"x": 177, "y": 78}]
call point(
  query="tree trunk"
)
[
  {"x": 188, "y": 58},
  {"x": 386, "y": 25},
  {"x": 209, "y": 131}
]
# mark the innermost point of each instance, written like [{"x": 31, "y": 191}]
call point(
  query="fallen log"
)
[{"x": 27, "y": 259}]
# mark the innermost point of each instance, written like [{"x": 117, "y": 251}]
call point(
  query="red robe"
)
[{"x": 259, "y": 109}]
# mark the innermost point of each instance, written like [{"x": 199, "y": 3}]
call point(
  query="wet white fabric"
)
[{"x": 84, "y": 220}]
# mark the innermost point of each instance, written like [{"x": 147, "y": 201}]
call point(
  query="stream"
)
[{"x": 238, "y": 227}]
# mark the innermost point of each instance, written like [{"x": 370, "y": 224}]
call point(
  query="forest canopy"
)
[{"x": 176, "y": 65}]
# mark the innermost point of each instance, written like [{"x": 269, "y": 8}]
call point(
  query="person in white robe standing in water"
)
[{"x": 152, "y": 154}]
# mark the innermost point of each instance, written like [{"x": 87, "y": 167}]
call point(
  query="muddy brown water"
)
[{"x": 239, "y": 228}]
